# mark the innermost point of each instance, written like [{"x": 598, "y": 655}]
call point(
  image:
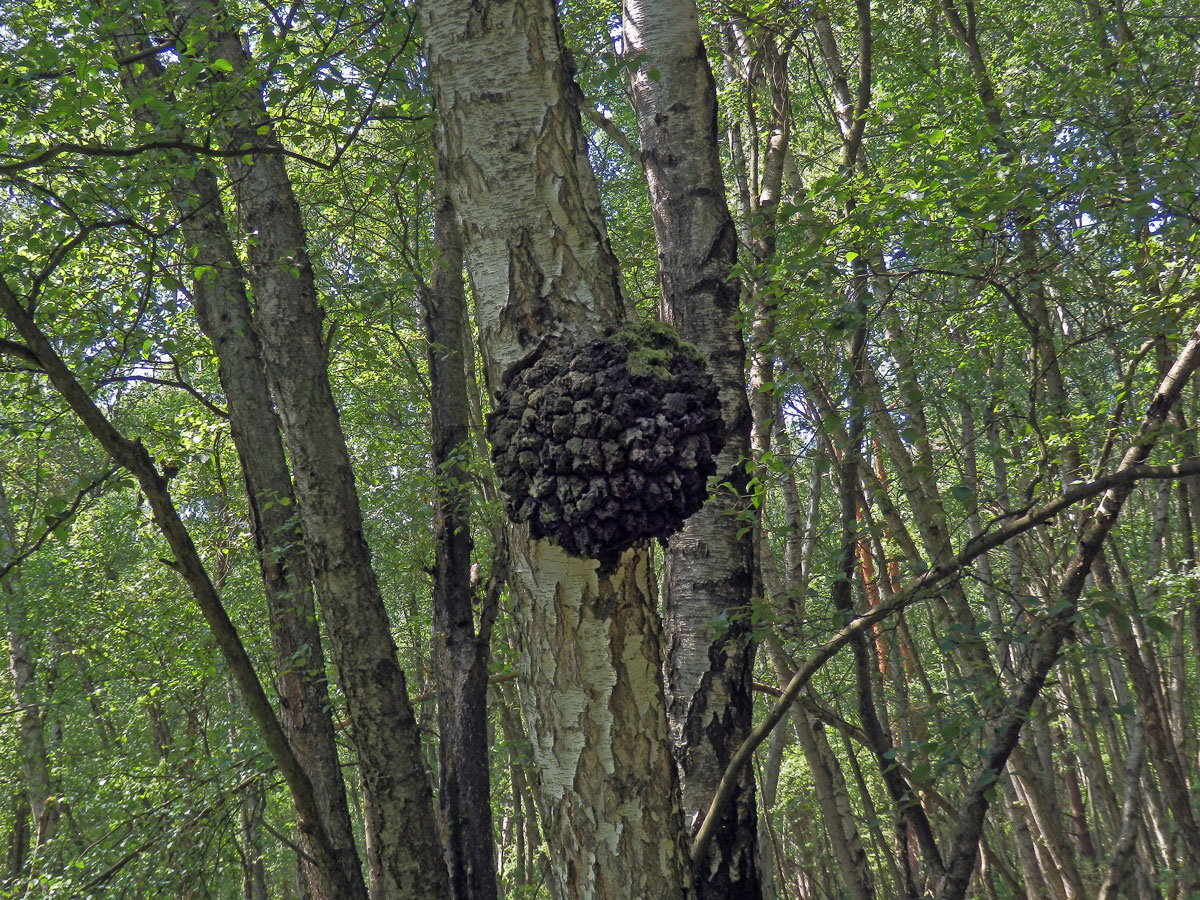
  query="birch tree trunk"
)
[
  {"x": 288, "y": 318},
  {"x": 35, "y": 758},
  {"x": 709, "y": 563},
  {"x": 224, "y": 315},
  {"x": 540, "y": 264},
  {"x": 304, "y": 706}
]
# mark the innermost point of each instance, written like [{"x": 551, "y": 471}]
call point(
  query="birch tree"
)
[
  {"x": 966, "y": 271},
  {"x": 707, "y": 573},
  {"x": 535, "y": 244},
  {"x": 403, "y": 858}
]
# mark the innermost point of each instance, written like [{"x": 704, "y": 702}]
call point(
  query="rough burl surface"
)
[{"x": 602, "y": 444}]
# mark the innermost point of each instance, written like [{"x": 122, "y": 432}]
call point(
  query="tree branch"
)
[
  {"x": 64, "y": 147},
  {"x": 56, "y": 522},
  {"x": 152, "y": 50},
  {"x": 166, "y": 382},
  {"x": 132, "y": 456},
  {"x": 917, "y": 589},
  {"x": 21, "y": 352}
]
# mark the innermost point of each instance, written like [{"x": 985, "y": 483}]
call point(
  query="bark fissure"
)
[
  {"x": 404, "y": 857},
  {"x": 224, "y": 315}
]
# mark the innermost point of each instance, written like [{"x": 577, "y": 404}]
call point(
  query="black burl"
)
[{"x": 604, "y": 443}]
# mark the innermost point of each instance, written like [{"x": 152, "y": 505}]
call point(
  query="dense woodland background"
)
[{"x": 965, "y": 282}]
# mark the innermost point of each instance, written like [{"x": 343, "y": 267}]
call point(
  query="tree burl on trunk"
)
[{"x": 602, "y": 443}]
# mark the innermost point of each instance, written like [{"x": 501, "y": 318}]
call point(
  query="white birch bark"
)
[
  {"x": 708, "y": 573},
  {"x": 35, "y": 759},
  {"x": 540, "y": 263}
]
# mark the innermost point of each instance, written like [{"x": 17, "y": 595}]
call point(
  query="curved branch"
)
[
  {"x": 56, "y": 522},
  {"x": 65, "y": 147},
  {"x": 21, "y": 352},
  {"x": 132, "y": 456},
  {"x": 914, "y": 591},
  {"x": 166, "y": 382}
]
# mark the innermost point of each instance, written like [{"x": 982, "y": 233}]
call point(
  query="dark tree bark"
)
[
  {"x": 288, "y": 319},
  {"x": 22, "y": 666},
  {"x": 460, "y": 652}
]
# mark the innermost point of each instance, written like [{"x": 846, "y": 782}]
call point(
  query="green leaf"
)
[{"x": 1159, "y": 624}]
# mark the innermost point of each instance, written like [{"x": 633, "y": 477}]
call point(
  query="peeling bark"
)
[{"x": 540, "y": 264}]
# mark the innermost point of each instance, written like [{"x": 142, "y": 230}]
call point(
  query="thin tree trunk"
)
[
  {"x": 829, "y": 785},
  {"x": 708, "y": 565},
  {"x": 1050, "y": 837},
  {"x": 528, "y": 836},
  {"x": 1087, "y": 741},
  {"x": 1081, "y": 834},
  {"x": 1120, "y": 857},
  {"x": 460, "y": 652},
  {"x": 18, "y": 838},
  {"x": 769, "y": 861},
  {"x": 897, "y": 878},
  {"x": 288, "y": 320},
  {"x": 34, "y": 755},
  {"x": 1027, "y": 861},
  {"x": 1161, "y": 748},
  {"x": 224, "y": 315},
  {"x": 250, "y": 802}
]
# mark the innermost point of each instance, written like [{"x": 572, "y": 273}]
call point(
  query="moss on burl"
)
[
  {"x": 604, "y": 443},
  {"x": 651, "y": 347}
]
